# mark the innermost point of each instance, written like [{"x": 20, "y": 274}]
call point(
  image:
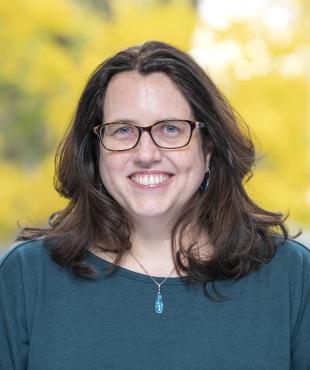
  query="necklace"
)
[{"x": 159, "y": 303}]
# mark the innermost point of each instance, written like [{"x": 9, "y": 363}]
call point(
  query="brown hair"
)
[{"x": 242, "y": 233}]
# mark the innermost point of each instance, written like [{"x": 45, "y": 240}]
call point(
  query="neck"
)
[{"x": 152, "y": 248}]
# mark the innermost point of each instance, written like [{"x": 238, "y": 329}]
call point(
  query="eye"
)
[
  {"x": 120, "y": 130},
  {"x": 170, "y": 129}
]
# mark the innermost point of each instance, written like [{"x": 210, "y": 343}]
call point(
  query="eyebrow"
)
[{"x": 126, "y": 120}]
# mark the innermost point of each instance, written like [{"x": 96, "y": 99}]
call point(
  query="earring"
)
[
  {"x": 206, "y": 180},
  {"x": 99, "y": 185}
]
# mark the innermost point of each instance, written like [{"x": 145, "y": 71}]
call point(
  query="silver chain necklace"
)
[{"x": 159, "y": 304}]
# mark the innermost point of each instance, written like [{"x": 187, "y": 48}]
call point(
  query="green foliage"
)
[{"x": 22, "y": 124}]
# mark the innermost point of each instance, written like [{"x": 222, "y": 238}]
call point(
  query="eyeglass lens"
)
[{"x": 166, "y": 134}]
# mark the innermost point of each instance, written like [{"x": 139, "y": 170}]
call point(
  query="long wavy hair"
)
[{"x": 243, "y": 235}]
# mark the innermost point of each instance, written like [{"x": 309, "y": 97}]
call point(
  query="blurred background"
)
[{"x": 257, "y": 51}]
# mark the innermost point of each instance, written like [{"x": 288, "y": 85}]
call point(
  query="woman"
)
[{"x": 160, "y": 260}]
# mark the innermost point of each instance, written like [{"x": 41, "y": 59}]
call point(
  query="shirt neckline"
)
[{"x": 104, "y": 264}]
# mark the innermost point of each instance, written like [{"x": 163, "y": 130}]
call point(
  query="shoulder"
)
[
  {"x": 30, "y": 254},
  {"x": 292, "y": 252},
  {"x": 291, "y": 264},
  {"x": 23, "y": 250},
  {"x": 289, "y": 267},
  {"x": 27, "y": 268}
]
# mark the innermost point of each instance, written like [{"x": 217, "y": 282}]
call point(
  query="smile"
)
[{"x": 150, "y": 179}]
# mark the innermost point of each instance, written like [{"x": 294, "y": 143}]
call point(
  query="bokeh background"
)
[{"x": 257, "y": 51}]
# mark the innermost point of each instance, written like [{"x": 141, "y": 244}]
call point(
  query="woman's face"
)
[{"x": 144, "y": 100}]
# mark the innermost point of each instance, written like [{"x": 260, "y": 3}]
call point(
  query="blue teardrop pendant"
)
[{"x": 159, "y": 304}]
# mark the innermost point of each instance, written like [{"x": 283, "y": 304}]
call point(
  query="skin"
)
[{"x": 144, "y": 100}]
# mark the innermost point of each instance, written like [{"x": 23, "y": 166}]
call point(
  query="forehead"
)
[{"x": 151, "y": 97}]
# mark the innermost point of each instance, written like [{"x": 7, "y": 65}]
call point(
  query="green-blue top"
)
[{"x": 52, "y": 319}]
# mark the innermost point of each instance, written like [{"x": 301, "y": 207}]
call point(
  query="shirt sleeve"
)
[
  {"x": 300, "y": 311},
  {"x": 14, "y": 342}
]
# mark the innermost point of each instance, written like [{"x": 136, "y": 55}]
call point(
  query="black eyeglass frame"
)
[{"x": 193, "y": 124}]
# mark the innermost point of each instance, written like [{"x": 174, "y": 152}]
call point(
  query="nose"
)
[{"x": 146, "y": 150}]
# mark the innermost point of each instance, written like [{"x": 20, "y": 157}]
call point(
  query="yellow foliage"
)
[
  {"x": 27, "y": 196},
  {"x": 48, "y": 51},
  {"x": 135, "y": 23},
  {"x": 50, "y": 48},
  {"x": 276, "y": 111}
]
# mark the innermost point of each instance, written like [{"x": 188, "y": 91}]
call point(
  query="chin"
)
[{"x": 150, "y": 212}]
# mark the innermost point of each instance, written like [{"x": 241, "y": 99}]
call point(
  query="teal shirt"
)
[{"x": 52, "y": 319}]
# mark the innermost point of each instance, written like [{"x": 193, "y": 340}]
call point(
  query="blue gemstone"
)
[{"x": 159, "y": 305}]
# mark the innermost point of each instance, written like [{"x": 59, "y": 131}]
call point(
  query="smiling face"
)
[{"x": 147, "y": 181}]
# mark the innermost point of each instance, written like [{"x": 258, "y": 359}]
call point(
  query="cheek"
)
[
  {"x": 110, "y": 167},
  {"x": 194, "y": 162}
]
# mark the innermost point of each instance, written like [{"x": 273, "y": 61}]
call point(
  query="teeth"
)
[{"x": 149, "y": 179}]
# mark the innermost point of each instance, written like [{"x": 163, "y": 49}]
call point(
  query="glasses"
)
[{"x": 168, "y": 134}]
